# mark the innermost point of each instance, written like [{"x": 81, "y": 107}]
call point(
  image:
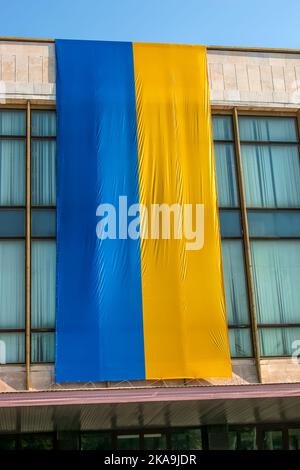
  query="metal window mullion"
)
[
  {"x": 28, "y": 250},
  {"x": 246, "y": 245}
]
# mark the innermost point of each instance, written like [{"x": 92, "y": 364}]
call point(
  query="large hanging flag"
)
[{"x": 134, "y": 138}]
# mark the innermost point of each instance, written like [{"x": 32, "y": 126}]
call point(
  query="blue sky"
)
[{"x": 268, "y": 23}]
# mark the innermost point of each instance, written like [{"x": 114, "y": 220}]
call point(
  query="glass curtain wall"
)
[
  {"x": 271, "y": 176},
  {"x": 12, "y": 235},
  {"x": 237, "y": 305},
  {"x": 43, "y": 232},
  {"x": 271, "y": 171},
  {"x": 13, "y": 130}
]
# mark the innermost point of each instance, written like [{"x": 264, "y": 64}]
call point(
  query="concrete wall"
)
[
  {"x": 12, "y": 377},
  {"x": 276, "y": 370},
  {"x": 27, "y": 71},
  {"x": 254, "y": 79}
]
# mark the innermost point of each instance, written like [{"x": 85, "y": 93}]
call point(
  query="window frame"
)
[
  {"x": 27, "y": 107},
  {"x": 34, "y": 207},
  {"x": 22, "y": 207},
  {"x": 237, "y": 209},
  {"x": 216, "y": 110},
  {"x": 235, "y": 113}
]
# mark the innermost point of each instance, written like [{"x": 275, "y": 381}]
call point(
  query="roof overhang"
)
[{"x": 132, "y": 408}]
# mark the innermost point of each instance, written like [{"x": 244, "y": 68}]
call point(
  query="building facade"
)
[{"x": 255, "y": 102}]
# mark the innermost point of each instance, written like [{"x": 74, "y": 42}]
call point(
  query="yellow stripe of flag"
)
[{"x": 185, "y": 333}]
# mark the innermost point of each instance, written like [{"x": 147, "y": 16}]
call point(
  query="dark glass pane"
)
[
  {"x": 247, "y": 439},
  {"x": 276, "y": 129},
  {"x": 242, "y": 439},
  {"x": 67, "y": 440},
  {"x": 274, "y": 224},
  {"x": 279, "y": 341},
  {"x": 230, "y": 223},
  {"x": 12, "y": 223},
  {"x": 37, "y": 441},
  {"x": 222, "y": 128},
  {"x": 43, "y": 223},
  {"x": 240, "y": 342},
  {"x": 186, "y": 439},
  {"x": 155, "y": 441},
  {"x": 294, "y": 439},
  {"x": 7, "y": 442},
  {"x": 128, "y": 442},
  {"x": 226, "y": 175},
  {"x": 96, "y": 441},
  {"x": 42, "y": 347},
  {"x": 273, "y": 440},
  {"x": 12, "y": 122},
  {"x": 218, "y": 437},
  {"x": 43, "y": 123}
]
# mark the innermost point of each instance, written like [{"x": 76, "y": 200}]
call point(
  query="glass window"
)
[
  {"x": 240, "y": 342},
  {"x": 276, "y": 269},
  {"x": 218, "y": 437},
  {"x": 278, "y": 341},
  {"x": 12, "y": 122},
  {"x": 37, "y": 441},
  {"x": 42, "y": 347},
  {"x": 270, "y": 129},
  {"x": 242, "y": 439},
  {"x": 235, "y": 282},
  {"x": 7, "y": 442},
  {"x": 43, "y": 123},
  {"x": 274, "y": 223},
  {"x": 43, "y": 280},
  {"x": 43, "y": 173},
  {"x": 222, "y": 127},
  {"x": 155, "y": 441},
  {"x": 226, "y": 175},
  {"x": 12, "y": 284},
  {"x": 271, "y": 175},
  {"x": 12, "y": 348},
  {"x": 186, "y": 439},
  {"x": 12, "y": 172},
  {"x": 230, "y": 223},
  {"x": 43, "y": 223},
  {"x": 294, "y": 439},
  {"x": 128, "y": 442},
  {"x": 272, "y": 440},
  {"x": 67, "y": 440},
  {"x": 96, "y": 441},
  {"x": 12, "y": 223}
]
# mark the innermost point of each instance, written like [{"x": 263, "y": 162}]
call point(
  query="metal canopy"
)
[{"x": 132, "y": 408}]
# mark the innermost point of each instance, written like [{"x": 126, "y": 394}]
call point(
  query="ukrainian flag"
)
[{"x": 134, "y": 120}]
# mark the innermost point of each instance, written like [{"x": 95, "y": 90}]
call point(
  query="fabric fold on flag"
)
[{"x": 134, "y": 124}]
